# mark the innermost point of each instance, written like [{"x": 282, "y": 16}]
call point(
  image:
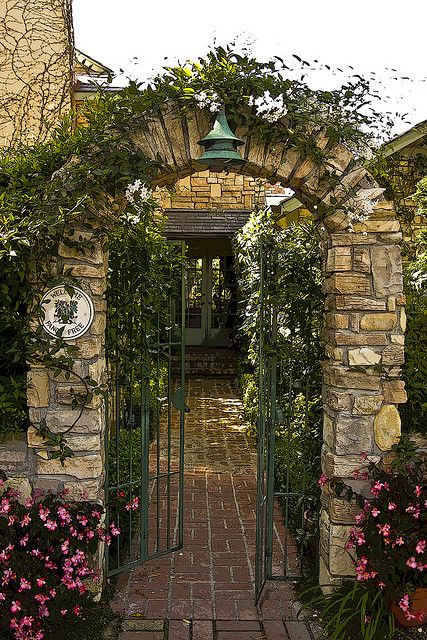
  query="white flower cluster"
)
[
  {"x": 359, "y": 209},
  {"x": 208, "y": 100},
  {"x": 269, "y": 108},
  {"x": 136, "y": 194}
]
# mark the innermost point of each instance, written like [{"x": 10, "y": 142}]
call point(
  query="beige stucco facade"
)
[{"x": 35, "y": 68}]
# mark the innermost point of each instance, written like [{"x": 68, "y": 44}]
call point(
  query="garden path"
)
[{"x": 205, "y": 591}]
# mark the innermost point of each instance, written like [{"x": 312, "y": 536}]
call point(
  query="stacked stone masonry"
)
[{"x": 50, "y": 396}]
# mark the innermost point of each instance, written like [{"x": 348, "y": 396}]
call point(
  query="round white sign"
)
[{"x": 67, "y": 314}]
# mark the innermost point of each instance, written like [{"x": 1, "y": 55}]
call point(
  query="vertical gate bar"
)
[
  {"x": 169, "y": 394},
  {"x": 182, "y": 410},
  {"x": 107, "y": 475},
  {"x": 130, "y": 427},
  {"x": 117, "y": 437},
  {"x": 158, "y": 435},
  {"x": 259, "y": 550},
  {"x": 288, "y": 445},
  {"x": 271, "y": 438},
  {"x": 145, "y": 444}
]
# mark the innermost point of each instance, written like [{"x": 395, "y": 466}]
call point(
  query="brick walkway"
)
[{"x": 205, "y": 592}]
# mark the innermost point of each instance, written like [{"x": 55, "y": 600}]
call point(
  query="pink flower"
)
[
  {"x": 411, "y": 562},
  {"x": 114, "y": 530},
  {"x": 15, "y": 607},
  {"x": 77, "y": 610},
  {"x": 418, "y": 489},
  {"x": 63, "y": 612},
  {"x": 51, "y": 525},
  {"x": 392, "y": 506},
  {"x": 359, "y": 518},
  {"x": 384, "y": 529},
  {"x": 24, "y": 584},
  {"x": 420, "y": 548},
  {"x": 134, "y": 504},
  {"x": 40, "y": 582},
  {"x": 375, "y": 512},
  {"x": 400, "y": 541},
  {"x": 323, "y": 480}
]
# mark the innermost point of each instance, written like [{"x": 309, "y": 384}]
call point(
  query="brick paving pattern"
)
[{"x": 205, "y": 591}]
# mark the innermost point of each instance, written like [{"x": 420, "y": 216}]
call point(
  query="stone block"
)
[
  {"x": 351, "y": 239},
  {"x": 353, "y": 434},
  {"x": 216, "y": 190},
  {"x": 363, "y": 357},
  {"x": 328, "y": 430},
  {"x": 340, "y": 559},
  {"x": 361, "y": 259},
  {"x": 394, "y": 391},
  {"x": 350, "y": 283},
  {"x": 386, "y": 270},
  {"x": 357, "y": 303},
  {"x": 337, "y": 321},
  {"x": 87, "y": 271},
  {"x": 92, "y": 254},
  {"x": 344, "y": 466},
  {"x": 342, "y": 511},
  {"x": 352, "y": 339},
  {"x": 403, "y": 320},
  {"x": 391, "y": 303},
  {"x": 98, "y": 286},
  {"x": 38, "y": 392},
  {"x": 60, "y": 419},
  {"x": 393, "y": 355},
  {"x": 81, "y": 467},
  {"x": 327, "y": 582},
  {"x": 339, "y": 259},
  {"x": 397, "y": 339},
  {"x": 98, "y": 325},
  {"x": 367, "y": 405},
  {"x": 336, "y": 400},
  {"x": 378, "y": 321},
  {"x": 89, "y": 347},
  {"x": 346, "y": 378},
  {"x": 85, "y": 489},
  {"x": 377, "y": 226},
  {"x": 387, "y": 427},
  {"x": 21, "y": 484},
  {"x": 67, "y": 394}
]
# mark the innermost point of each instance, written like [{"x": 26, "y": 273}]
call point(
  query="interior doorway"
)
[{"x": 211, "y": 305}]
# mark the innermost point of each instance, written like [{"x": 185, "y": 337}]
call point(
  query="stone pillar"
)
[
  {"x": 364, "y": 336},
  {"x": 50, "y": 396}
]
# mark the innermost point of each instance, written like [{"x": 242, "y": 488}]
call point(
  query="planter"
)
[{"x": 419, "y": 601}]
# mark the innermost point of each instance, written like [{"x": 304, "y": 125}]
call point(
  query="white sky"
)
[{"x": 370, "y": 35}]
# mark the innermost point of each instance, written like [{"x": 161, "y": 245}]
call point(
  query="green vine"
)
[{"x": 78, "y": 177}]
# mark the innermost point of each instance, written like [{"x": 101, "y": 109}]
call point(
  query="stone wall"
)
[
  {"x": 364, "y": 335},
  {"x": 205, "y": 190},
  {"x": 50, "y": 396}
]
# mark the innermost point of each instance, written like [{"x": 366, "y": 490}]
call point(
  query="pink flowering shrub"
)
[
  {"x": 46, "y": 547},
  {"x": 390, "y": 536}
]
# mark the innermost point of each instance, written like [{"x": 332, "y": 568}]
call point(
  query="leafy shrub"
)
[
  {"x": 47, "y": 546},
  {"x": 414, "y": 412},
  {"x": 293, "y": 287}
]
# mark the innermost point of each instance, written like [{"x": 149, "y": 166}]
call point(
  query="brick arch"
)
[{"x": 364, "y": 307}]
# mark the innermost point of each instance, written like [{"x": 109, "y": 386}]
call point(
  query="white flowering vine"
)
[
  {"x": 207, "y": 100},
  {"x": 137, "y": 194},
  {"x": 359, "y": 209},
  {"x": 269, "y": 108}
]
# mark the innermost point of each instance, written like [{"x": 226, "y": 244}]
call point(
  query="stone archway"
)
[{"x": 364, "y": 311}]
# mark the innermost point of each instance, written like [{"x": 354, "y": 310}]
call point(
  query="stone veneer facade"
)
[
  {"x": 205, "y": 190},
  {"x": 364, "y": 325}
]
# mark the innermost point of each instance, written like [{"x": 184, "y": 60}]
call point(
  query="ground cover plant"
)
[
  {"x": 388, "y": 546},
  {"x": 47, "y": 549}
]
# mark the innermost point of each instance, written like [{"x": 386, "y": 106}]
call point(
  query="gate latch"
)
[{"x": 178, "y": 401}]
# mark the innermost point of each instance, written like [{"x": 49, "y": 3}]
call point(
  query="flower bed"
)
[
  {"x": 390, "y": 536},
  {"x": 46, "y": 561}
]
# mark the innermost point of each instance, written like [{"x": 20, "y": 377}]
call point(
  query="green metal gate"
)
[
  {"x": 281, "y": 382},
  {"x": 145, "y": 422}
]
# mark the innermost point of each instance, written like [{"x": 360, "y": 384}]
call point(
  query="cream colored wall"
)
[{"x": 35, "y": 67}]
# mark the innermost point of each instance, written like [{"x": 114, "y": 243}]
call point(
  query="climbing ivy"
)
[{"x": 80, "y": 174}]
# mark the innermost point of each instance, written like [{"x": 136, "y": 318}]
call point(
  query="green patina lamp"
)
[{"x": 220, "y": 146}]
